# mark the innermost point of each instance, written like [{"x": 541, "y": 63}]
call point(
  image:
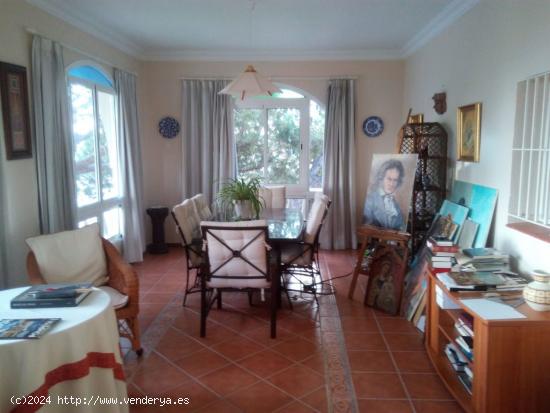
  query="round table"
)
[{"x": 79, "y": 357}]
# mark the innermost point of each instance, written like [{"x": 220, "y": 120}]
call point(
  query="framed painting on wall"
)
[
  {"x": 468, "y": 127},
  {"x": 15, "y": 110}
]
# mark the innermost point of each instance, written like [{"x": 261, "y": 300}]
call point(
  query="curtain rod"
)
[
  {"x": 272, "y": 77},
  {"x": 74, "y": 49}
]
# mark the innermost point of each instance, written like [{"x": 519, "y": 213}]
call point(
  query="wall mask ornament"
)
[{"x": 440, "y": 102}]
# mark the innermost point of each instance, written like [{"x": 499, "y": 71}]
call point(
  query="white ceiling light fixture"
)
[{"x": 250, "y": 83}]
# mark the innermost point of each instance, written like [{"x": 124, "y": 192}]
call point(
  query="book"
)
[
  {"x": 484, "y": 253},
  {"x": 52, "y": 295},
  {"x": 438, "y": 242},
  {"x": 441, "y": 264},
  {"x": 442, "y": 258},
  {"x": 478, "y": 278},
  {"x": 465, "y": 380},
  {"x": 25, "y": 327}
]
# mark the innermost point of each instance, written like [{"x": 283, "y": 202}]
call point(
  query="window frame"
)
[
  {"x": 98, "y": 208},
  {"x": 302, "y": 188}
]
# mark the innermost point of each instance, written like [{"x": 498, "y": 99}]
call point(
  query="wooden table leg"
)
[{"x": 357, "y": 269}]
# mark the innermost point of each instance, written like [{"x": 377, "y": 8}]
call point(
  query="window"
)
[
  {"x": 280, "y": 140},
  {"x": 530, "y": 197},
  {"x": 95, "y": 150}
]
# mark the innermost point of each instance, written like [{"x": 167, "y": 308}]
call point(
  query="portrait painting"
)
[
  {"x": 390, "y": 190},
  {"x": 468, "y": 124}
]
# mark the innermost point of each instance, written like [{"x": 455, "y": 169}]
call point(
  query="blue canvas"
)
[
  {"x": 482, "y": 201},
  {"x": 458, "y": 213}
]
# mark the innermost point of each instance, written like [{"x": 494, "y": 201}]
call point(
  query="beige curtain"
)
[
  {"x": 209, "y": 151},
  {"x": 339, "y": 231}
]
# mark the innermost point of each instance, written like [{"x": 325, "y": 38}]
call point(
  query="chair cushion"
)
[
  {"x": 202, "y": 210},
  {"x": 118, "y": 300},
  {"x": 71, "y": 256},
  {"x": 265, "y": 196},
  {"x": 185, "y": 217},
  {"x": 236, "y": 236},
  {"x": 314, "y": 220},
  {"x": 278, "y": 196}
]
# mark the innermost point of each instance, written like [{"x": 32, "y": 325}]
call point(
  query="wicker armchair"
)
[{"x": 122, "y": 278}]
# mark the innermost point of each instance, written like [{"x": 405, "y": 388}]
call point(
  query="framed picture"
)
[
  {"x": 417, "y": 118},
  {"x": 468, "y": 127},
  {"x": 15, "y": 110},
  {"x": 385, "y": 283}
]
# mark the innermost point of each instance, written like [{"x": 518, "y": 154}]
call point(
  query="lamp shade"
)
[{"x": 250, "y": 83}]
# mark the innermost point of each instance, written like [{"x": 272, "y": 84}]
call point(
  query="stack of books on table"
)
[
  {"x": 442, "y": 254},
  {"x": 486, "y": 259},
  {"x": 482, "y": 281}
]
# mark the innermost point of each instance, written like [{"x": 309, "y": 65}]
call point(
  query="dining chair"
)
[
  {"x": 273, "y": 196},
  {"x": 301, "y": 257},
  {"x": 82, "y": 255},
  {"x": 188, "y": 226},
  {"x": 201, "y": 207},
  {"x": 237, "y": 258}
]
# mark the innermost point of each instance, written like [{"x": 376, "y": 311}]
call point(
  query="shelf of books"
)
[{"x": 489, "y": 364}]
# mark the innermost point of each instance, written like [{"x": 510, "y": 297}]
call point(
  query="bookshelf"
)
[{"x": 511, "y": 358}]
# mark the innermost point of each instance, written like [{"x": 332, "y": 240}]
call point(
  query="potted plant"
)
[{"x": 243, "y": 195}]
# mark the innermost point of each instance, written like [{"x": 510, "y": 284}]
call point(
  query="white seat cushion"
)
[
  {"x": 278, "y": 196},
  {"x": 118, "y": 300},
  {"x": 265, "y": 196},
  {"x": 314, "y": 220},
  {"x": 71, "y": 256}
]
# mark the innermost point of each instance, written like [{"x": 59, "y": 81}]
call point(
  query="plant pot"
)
[
  {"x": 537, "y": 292},
  {"x": 244, "y": 209}
]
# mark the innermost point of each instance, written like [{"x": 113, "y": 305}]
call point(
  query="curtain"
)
[
  {"x": 209, "y": 151},
  {"x": 56, "y": 191},
  {"x": 339, "y": 167},
  {"x": 133, "y": 233}
]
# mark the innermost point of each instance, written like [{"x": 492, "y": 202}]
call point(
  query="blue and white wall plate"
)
[
  {"x": 169, "y": 127},
  {"x": 373, "y": 126}
]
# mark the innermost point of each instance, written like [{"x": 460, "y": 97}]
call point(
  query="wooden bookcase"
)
[{"x": 511, "y": 358}]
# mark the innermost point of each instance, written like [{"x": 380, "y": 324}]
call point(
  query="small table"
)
[
  {"x": 158, "y": 215},
  {"x": 79, "y": 357}
]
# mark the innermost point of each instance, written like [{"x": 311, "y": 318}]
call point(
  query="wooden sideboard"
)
[{"x": 511, "y": 358}]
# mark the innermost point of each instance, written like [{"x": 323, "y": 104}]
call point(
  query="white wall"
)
[
  {"x": 20, "y": 175},
  {"x": 379, "y": 92},
  {"x": 480, "y": 58}
]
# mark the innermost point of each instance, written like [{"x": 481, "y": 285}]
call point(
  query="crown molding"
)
[
  {"x": 454, "y": 11},
  {"x": 99, "y": 31},
  {"x": 266, "y": 56}
]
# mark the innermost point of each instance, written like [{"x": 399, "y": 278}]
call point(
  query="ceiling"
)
[{"x": 261, "y": 29}]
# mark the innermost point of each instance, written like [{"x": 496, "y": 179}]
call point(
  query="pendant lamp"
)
[{"x": 250, "y": 83}]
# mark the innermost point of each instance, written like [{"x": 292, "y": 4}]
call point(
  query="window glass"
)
[
  {"x": 90, "y": 74},
  {"x": 249, "y": 133},
  {"x": 316, "y": 145},
  {"x": 85, "y": 168},
  {"x": 108, "y": 148},
  {"x": 283, "y": 164}
]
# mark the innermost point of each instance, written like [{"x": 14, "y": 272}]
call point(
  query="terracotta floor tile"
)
[
  {"x": 364, "y": 341},
  {"x": 378, "y": 385},
  {"x": 175, "y": 345},
  {"x": 152, "y": 297},
  {"x": 228, "y": 379},
  {"x": 198, "y": 396},
  {"x": 428, "y": 406},
  {"x": 297, "y": 348},
  {"x": 317, "y": 399},
  {"x": 404, "y": 342},
  {"x": 220, "y": 406},
  {"x": 262, "y": 335},
  {"x": 201, "y": 362},
  {"x": 297, "y": 380},
  {"x": 384, "y": 406},
  {"x": 297, "y": 324},
  {"x": 260, "y": 398},
  {"x": 425, "y": 386},
  {"x": 359, "y": 325},
  {"x": 158, "y": 381},
  {"x": 413, "y": 361},
  {"x": 237, "y": 348},
  {"x": 315, "y": 362},
  {"x": 295, "y": 407},
  {"x": 396, "y": 325},
  {"x": 374, "y": 361},
  {"x": 265, "y": 363}
]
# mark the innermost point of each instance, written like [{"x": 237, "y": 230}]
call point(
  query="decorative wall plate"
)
[
  {"x": 169, "y": 127},
  {"x": 373, "y": 126}
]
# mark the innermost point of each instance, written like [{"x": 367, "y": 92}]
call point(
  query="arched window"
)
[
  {"x": 95, "y": 149},
  {"x": 280, "y": 140}
]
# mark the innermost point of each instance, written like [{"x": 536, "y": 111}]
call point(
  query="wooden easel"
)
[{"x": 372, "y": 235}]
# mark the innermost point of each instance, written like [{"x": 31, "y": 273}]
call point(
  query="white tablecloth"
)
[{"x": 79, "y": 357}]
